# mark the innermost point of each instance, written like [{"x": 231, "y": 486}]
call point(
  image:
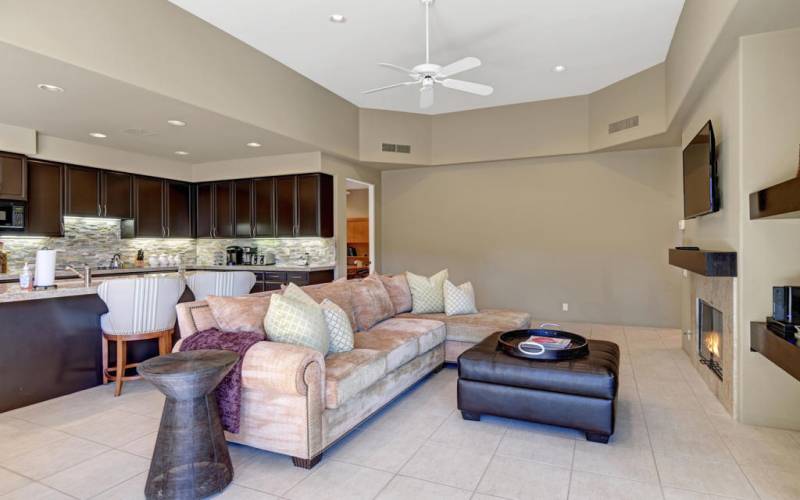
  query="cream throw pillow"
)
[
  {"x": 459, "y": 299},
  {"x": 340, "y": 331},
  {"x": 297, "y": 322},
  {"x": 427, "y": 294}
]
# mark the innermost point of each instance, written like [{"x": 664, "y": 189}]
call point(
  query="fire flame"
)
[{"x": 712, "y": 341}]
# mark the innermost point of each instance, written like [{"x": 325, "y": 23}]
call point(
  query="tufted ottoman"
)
[{"x": 579, "y": 393}]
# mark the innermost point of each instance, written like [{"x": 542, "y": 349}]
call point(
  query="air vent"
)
[
  {"x": 395, "y": 148},
  {"x": 625, "y": 124}
]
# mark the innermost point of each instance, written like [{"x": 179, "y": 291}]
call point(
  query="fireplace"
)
[{"x": 710, "y": 339}]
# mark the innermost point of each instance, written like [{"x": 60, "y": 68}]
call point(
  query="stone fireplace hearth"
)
[{"x": 710, "y": 340}]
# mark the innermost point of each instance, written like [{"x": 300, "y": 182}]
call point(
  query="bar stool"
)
[
  {"x": 222, "y": 284},
  {"x": 138, "y": 309}
]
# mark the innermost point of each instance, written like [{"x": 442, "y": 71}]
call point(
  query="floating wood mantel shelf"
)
[
  {"x": 781, "y": 201},
  {"x": 781, "y": 351},
  {"x": 705, "y": 262}
]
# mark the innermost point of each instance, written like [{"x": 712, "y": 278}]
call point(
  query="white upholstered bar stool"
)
[
  {"x": 138, "y": 309},
  {"x": 223, "y": 284}
]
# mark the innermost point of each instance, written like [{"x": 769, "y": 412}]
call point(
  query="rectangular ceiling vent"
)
[
  {"x": 395, "y": 148},
  {"x": 625, "y": 124}
]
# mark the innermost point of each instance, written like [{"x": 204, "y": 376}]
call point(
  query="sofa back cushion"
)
[
  {"x": 399, "y": 292},
  {"x": 338, "y": 292},
  {"x": 239, "y": 314},
  {"x": 427, "y": 294},
  {"x": 371, "y": 302}
]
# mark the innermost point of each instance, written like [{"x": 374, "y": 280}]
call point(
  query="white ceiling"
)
[
  {"x": 519, "y": 42},
  {"x": 95, "y": 103}
]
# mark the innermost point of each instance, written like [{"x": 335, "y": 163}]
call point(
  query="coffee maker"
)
[
  {"x": 248, "y": 256},
  {"x": 234, "y": 256}
]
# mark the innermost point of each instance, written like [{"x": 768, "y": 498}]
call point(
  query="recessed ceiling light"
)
[
  {"x": 98, "y": 135},
  {"x": 337, "y": 18},
  {"x": 559, "y": 68},
  {"x": 177, "y": 123},
  {"x": 50, "y": 88},
  {"x": 181, "y": 153},
  {"x": 253, "y": 144}
]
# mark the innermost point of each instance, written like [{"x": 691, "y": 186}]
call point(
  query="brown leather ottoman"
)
[{"x": 579, "y": 393}]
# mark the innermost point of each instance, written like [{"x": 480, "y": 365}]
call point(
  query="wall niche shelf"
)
[
  {"x": 783, "y": 352},
  {"x": 781, "y": 201},
  {"x": 704, "y": 262}
]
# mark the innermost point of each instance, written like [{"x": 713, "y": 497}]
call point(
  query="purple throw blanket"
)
[{"x": 229, "y": 391}]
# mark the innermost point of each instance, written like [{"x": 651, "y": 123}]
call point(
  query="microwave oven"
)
[{"x": 12, "y": 215}]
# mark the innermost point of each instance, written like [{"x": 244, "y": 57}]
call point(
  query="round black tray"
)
[{"x": 509, "y": 341}]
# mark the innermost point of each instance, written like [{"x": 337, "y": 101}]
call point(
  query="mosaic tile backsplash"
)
[{"x": 95, "y": 241}]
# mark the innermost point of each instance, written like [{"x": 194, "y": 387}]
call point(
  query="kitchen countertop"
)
[{"x": 11, "y": 292}]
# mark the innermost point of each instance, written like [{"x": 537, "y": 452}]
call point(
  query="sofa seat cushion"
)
[
  {"x": 348, "y": 373},
  {"x": 402, "y": 339},
  {"x": 476, "y": 327}
]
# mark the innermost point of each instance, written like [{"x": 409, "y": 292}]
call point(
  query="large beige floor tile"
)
[
  {"x": 662, "y": 393},
  {"x": 55, "y": 457},
  {"x": 552, "y": 450},
  {"x": 684, "y": 433},
  {"x": 588, "y": 486},
  {"x": 630, "y": 432},
  {"x": 36, "y": 491},
  {"x": 404, "y": 488},
  {"x": 19, "y": 437},
  {"x": 518, "y": 479},
  {"x": 112, "y": 428},
  {"x": 619, "y": 461},
  {"x": 717, "y": 478},
  {"x": 458, "y": 467},
  {"x": 763, "y": 446},
  {"x": 774, "y": 483},
  {"x": 483, "y": 435},
  {"x": 142, "y": 446},
  {"x": 384, "y": 450},
  {"x": 97, "y": 474},
  {"x": 677, "y": 494},
  {"x": 132, "y": 489},
  {"x": 235, "y": 492},
  {"x": 340, "y": 481},
  {"x": 10, "y": 481},
  {"x": 269, "y": 472}
]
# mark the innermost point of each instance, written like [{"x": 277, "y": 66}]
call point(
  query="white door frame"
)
[{"x": 371, "y": 188}]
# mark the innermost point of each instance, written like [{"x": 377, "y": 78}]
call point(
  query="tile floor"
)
[{"x": 673, "y": 441}]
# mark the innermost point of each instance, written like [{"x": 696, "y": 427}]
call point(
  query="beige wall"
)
[
  {"x": 17, "y": 139},
  {"x": 591, "y": 230},
  {"x": 358, "y": 203},
  {"x": 257, "y": 167},
  {"x": 377, "y": 126},
  {"x": 770, "y": 76}
]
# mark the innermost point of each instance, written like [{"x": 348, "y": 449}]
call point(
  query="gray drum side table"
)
[{"x": 191, "y": 457}]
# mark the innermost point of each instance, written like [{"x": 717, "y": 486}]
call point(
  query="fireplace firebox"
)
[{"x": 709, "y": 323}]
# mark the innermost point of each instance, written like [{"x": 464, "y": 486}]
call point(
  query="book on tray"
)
[{"x": 549, "y": 343}]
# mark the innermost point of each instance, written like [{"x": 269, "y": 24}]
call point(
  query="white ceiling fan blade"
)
[
  {"x": 397, "y": 68},
  {"x": 370, "y": 91},
  {"x": 459, "y": 66},
  {"x": 426, "y": 97},
  {"x": 471, "y": 87}
]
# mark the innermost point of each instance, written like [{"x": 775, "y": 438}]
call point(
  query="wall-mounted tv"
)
[{"x": 700, "y": 186}]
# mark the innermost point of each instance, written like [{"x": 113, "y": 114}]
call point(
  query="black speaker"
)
[{"x": 786, "y": 304}]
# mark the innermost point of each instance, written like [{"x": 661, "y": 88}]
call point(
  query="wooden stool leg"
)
[
  {"x": 120, "y": 371},
  {"x": 165, "y": 343},
  {"x": 105, "y": 360}
]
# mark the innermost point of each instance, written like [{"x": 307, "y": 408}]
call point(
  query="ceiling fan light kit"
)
[{"x": 427, "y": 75}]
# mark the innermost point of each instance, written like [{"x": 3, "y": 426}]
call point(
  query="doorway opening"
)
[{"x": 360, "y": 229}]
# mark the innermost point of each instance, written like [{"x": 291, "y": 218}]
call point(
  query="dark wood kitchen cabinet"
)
[
  {"x": 13, "y": 177},
  {"x": 148, "y": 207},
  {"x": 45, "y": 215},
  {"x": 314, "y": 212},
  {"x": 116, "y": 194},
  {"x": 204, "y": 210},
  {"x": 223, "y": 210},
  {"x": 82, "y": 192},
  {"x": 264, "y": 208},
  {"x": 243, "y": 208},
  {"x": 285, "y": 201},
  {"x": 178, "y": 204}
]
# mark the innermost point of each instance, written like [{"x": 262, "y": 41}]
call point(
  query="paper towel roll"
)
[{"x": 45, "y": 268}]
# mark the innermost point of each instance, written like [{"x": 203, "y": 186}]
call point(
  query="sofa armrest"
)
[{"x": 283, "y": 368}]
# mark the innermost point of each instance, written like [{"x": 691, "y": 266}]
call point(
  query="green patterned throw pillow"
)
[
  {"x": 340, "y": 330},
  {"x": 459, "y": 299},
  {"x": 297, "y": 322},
  {"x": 427, "y": 294}
]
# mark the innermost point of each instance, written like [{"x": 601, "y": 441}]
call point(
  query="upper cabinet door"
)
[
  {"x": 204, "y": 211},
  {"x": 314, "y": 205},
  {"x": 117, "y": 195},
  {"x": 178, "y": 209},
  {"x": 13, "y": 177},
  {"x": 264, "y": 208},
  {"x": 223, "y": 208},
  {"x": 149, "y": 207},
  {"x": 285, "y": 196},
  {"x": 243, "y": 208},
  {"x": 45, "y": 199},
  {"x": 83, "y": 192}
]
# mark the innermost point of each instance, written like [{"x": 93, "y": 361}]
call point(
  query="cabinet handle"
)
[
  {"x": 105, "y": 209},
  {"x": 99, "y": 210},
  {"x": 163, "y": 233}
]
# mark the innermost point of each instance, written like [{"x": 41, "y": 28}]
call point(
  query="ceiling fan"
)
[{"x": 427, "y": 75}]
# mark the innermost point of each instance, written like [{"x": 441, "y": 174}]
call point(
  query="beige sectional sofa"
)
[{"x": 297, "y": 402}]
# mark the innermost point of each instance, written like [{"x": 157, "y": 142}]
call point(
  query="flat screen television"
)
[{"x": 700, "y": 186}]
